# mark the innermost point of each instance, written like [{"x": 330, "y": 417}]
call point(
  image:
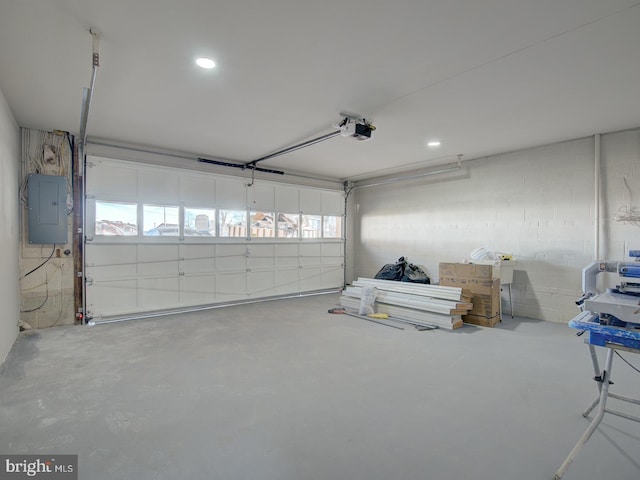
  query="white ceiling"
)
[{"x": 482, "y": 76}]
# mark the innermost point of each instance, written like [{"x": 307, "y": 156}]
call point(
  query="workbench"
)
[{"x": 611, "y": 338}]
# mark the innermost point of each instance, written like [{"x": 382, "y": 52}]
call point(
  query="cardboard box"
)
[
  {"x": 473, "y": 286},
  {"x": 466, "y": 270},
  {"x": 487, "y": 305},
  {"x": 485, "y": 294},
  {"x": 482, "y": 321},
  {"x": 477, "y": 281}
]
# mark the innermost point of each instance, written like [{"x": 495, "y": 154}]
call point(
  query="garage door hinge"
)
[
  {"x": 88, "y": 281},
  {"x": 181, "y": 274}
]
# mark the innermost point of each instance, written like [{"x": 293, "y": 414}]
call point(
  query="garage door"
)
[{"x": 161, "y": 238}]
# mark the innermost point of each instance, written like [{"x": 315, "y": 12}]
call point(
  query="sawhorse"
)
[{"x": 611, "y": 338}]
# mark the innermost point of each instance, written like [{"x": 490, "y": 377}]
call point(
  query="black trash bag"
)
[
  {"x": 414, "y": 274},
  {"x": 392, "y": 271}
]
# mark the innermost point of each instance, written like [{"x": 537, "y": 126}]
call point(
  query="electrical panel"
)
[{"x": 47, "y": 209}]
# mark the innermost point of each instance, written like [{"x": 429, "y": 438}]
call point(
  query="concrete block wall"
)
[
  {"x": 536, "y": 204},
  {"x": 9, "y": 227},
  {"x": 621, "y": 192}
]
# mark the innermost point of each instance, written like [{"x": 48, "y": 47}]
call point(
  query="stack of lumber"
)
[{"x": 414, "y": 303}]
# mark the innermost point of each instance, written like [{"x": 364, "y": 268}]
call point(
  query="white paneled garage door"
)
[{"x": 161, "y": 238}]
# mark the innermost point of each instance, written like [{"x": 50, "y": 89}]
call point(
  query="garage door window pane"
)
[
  {"x": 262, "y": 224},
  {"x": 288, "y": 225},
  {"x": 332, "y": 226},
  {"x": 116, "y": 219},
  {"x": 161, "y": 220},
  {"x": 311, "y": 226},
  {"x": 233, "y": 223},
  {"x": 199, "y": 222}
]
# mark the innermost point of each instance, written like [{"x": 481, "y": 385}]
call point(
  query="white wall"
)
[
  {"x": 536, "y": 204},
  {"x": 621, "y": 190},
  {"x": 9, "y": 178}
]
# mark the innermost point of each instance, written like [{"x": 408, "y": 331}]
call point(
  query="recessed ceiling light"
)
[
  {"x": 434, "y": 143},
  {"x": 205, "y": 62}
]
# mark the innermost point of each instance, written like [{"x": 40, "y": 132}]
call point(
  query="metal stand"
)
[
  {"x": 510, "y": 301},
  {"x": 603, "y": 378}
]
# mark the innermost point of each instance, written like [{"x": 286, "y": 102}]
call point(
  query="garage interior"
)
[{"x": 166, "y": 314}]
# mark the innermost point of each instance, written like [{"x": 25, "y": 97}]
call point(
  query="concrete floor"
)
[{"x": 283, "y": 390}]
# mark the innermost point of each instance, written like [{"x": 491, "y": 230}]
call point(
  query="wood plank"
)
[
  {"x": 425, "y": 318},
  {"x": 413, "y": 301},
  {"x": 433, "y": 291}
]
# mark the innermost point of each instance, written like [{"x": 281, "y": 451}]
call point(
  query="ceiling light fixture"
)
[
  {"x": 434, "y": 143},
  {"x": 205, "y": 62}
]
